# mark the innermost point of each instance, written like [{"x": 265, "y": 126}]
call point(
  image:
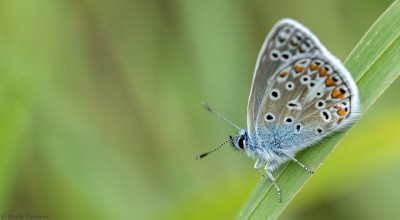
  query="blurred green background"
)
[{"x": 100, "y": 114}]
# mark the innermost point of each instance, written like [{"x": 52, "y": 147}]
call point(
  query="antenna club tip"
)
[
  {"x": 206, "y": 106},
  {"x": 202, "y": 155}
]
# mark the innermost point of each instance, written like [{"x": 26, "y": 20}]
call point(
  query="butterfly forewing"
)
[{"x": 278, "y": 48}]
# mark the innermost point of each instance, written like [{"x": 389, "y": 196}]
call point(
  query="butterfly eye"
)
[{"x": 240, "y": 142}]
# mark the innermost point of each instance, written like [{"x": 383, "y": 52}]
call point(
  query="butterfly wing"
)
[
  {"x": 300, "y": 93},
  {"x": 268, "y": 61}
]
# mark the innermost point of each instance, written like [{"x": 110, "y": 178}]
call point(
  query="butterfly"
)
[{"x": 300, "y": 94}]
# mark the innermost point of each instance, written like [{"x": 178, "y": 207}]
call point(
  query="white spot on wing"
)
[
  {"x": 320, "y": 104},
  {"x": 275, "y": 54},
  {"x": 289, "y": 120},
  {"x": 275, "y": 94},
  {"x": 289, "y": 86},
  {"x": 293, "y": 104},
  {"x": 269, "y": 117},
  {"x": 285, "y": 56},
  {"x": 305, "y": 79},
  {"x": 326, "y": 115}
]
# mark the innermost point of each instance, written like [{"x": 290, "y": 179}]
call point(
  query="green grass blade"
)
[{"x": 374, "y": 64}]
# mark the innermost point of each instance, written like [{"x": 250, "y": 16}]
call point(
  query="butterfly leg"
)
[
  {"x": 273, "y": 180},
  {"x": 258, "y": 164},
  {"x": 294, "y": 159}
]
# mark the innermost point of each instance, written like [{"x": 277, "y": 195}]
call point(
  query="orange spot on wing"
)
[
  {"x": 337, "y": 107},
  {"x": 283, "y": 74},
  {"x": 322, "y": 72},
  {"x": 341, "y": 112},
  {"x": 337, "y": 94},
  {"x": 314, "y": 67},
  {"x": 293, "y": 43},
  {"x": 330, "y": 82},
  {"x": 298, "y": 69},
  {"x": 340, "y": 120}
]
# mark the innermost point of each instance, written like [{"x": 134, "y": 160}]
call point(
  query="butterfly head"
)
[{"x": 241, "y": 141}]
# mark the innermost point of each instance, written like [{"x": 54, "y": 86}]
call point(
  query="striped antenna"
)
[
  {"x": 209, "y": 152},
  {"x": 215, "y": 113}
]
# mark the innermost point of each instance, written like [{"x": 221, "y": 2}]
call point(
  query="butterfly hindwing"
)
[{"x": 302, "y": 92}]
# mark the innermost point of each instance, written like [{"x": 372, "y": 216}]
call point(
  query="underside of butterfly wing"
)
[
  {"x": 308, "y": 93},
  {"x": 269, "y": 60}
]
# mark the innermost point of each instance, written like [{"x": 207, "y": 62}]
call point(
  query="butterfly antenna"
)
[
  {"x": 209, "y": 152},
  {"x": 216, "y": 113}
]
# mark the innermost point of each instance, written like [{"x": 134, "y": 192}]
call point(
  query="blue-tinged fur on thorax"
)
[{"x": 268, "y": 143}]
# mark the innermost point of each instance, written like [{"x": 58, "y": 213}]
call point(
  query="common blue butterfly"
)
[{"x": 300, "y": 94}]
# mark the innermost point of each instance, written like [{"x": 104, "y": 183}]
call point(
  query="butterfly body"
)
[
  {"x": 300, "y": 94},
  {"x": 272, "y": 144}
]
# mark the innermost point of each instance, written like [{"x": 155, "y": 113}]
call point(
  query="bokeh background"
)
[{"x": 100, "y": 114}]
